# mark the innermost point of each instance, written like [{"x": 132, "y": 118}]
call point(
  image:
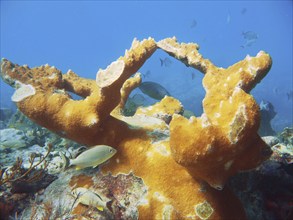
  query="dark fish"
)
[
  {"x": 250, "y": 38},
  {"x": 138, "y": 99},
  {"x": 153, "y": 90},
  {"x": 267, "y": 113},
  {"x": 193, "y": 24},
  {"x": 250, "y": 35},
  {"x": 248, "y": 43},
  {"x": 192, "y": 76},
  {"x": 165, "y": 62},
  {"x": 145, "y": 75},
  {"x": 133, "y": 103},
  {"x": 267, "y": 109},
  {"x": 289, "y": 95}
]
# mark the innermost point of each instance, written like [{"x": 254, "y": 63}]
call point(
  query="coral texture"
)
[{"x": 182, "y": 162}]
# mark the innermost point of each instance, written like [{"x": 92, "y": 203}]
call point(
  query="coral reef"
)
[
  {"x": 267, "y": 192},
  {"x": 18, "y": 183},
  {"x": 183, "y": 162},
  {"x": 122, "y": 194}
]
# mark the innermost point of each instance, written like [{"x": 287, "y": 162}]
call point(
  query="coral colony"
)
[{"x": 184, "y": 163}]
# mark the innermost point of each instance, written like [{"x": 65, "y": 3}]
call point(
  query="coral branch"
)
[
  {"x": 187, "y": 53},
  {"x": 52, "y": 107}
]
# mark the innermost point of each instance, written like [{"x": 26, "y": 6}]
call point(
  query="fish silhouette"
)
[{"x": 153, "y": 90}]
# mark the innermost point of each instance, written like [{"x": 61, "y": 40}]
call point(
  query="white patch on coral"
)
[
  {"x": 225, "y": 84},
  {"x": 209, "y": 148},
  {"x": 24, "y": 91},
  {"x": 260, "y": 53},
  {"x": 112, "y": 73},
  {"x": 92, "y": 120},
  {"x": 159, "y": 197},
  {"x": 149, "y": 108},
  {"x": 167, "y": 212},
  {"x": 217, "y": 115},
  {"x": 69, "y": 71},
  {"x": 230, "y": 99},
  {"x": 248, "y": 58},
  {"x": 228, "y": 78},
  {"x": 236, "y": 90},
  {"x": 117, "y": 160},
  {"x": 205, "y": 121},
  {"x": 252, "y": 70},
  {"x": 240, "y": 112},
  {"x": 162, "y": 149},
  {"x": 228, "y": 164},
  {"x": 68, "y": 113},
  {"x": 221, "y": 104},
  {"x": 149, "y": 154},
  {"x": 143, "y": 200},
  {"x": 192, "y": 119},
  {"x": 135, "y": 43},
  {"x": 52, "y": 76}
]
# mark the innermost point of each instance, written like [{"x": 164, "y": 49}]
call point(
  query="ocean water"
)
[{"x": 85, "y": 36}]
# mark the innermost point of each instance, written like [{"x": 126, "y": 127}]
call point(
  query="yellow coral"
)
[{"x": 174, "y": 160}]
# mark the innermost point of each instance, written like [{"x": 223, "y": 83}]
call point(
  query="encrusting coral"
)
[{"x": 176, "y": 157}]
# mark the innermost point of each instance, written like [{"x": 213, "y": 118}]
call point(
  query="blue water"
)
[{"x": 86, "y": 36}]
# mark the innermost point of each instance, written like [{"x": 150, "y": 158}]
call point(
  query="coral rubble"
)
[{"x": 183, "y": 162}]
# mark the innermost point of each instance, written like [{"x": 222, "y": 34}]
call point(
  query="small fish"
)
[
  {"x": 248, "y": 43},
  {"x": 289, "y": 95},
  {"x": 89, "y": 198},
  {"x": 193, "y": 24},
  {"x": 153, "y": 90},
  {"x": 250, "y": 35},
  {"x": 145, "y": 75},
  {"x": 92, "y": 157},
  {"x": 192, "y": 76},
  {"x": 165, "y": 62},
  {"x": 250, "y": 38}
]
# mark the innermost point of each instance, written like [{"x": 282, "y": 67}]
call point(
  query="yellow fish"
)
[
  {"x": 87, "y": 197},
  {"x": 93, "y": 157}
]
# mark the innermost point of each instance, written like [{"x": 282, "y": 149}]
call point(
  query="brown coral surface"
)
[{"x": 183, "y": 164}]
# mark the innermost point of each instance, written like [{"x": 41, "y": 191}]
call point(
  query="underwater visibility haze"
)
[{"x": 146, "y": 110}]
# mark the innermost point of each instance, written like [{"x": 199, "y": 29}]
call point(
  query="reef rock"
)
[
  {"x": 12, "y": 138},
  {"x": 122, "y": 193}
]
